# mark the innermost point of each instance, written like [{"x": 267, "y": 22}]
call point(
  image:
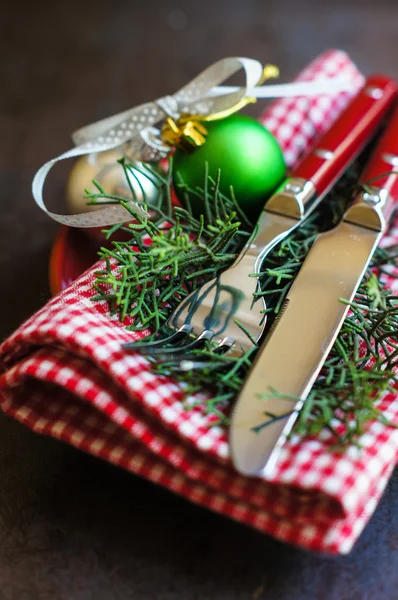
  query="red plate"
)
[{"x": 73, "y": 252}]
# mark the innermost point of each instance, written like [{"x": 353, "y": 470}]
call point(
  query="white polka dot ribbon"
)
[{"x": 136, "y": 127}]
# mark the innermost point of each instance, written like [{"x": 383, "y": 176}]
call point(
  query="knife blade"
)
[{"x": 296, "y": 348}]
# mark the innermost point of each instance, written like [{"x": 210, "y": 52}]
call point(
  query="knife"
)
[{"x": 295, "y": 349}]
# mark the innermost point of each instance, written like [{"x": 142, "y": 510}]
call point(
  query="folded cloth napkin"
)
[{"x": 65, "y": 374}]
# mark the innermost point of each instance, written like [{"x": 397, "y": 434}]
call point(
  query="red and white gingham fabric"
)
[{"x": 65, "y": 375}]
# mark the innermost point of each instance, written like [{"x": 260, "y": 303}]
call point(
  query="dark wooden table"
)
[{"x": 72, "y": 527}]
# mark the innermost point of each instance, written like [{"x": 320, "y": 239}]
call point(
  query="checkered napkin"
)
[{"x": 65, "y": 374}]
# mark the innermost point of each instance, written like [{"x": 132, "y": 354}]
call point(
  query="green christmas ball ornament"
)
[{"x": 247, "y": 155}]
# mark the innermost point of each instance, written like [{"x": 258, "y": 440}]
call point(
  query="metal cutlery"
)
[
  {"x": 296, "y": 347},
  {"x": 223, "y": 309}
]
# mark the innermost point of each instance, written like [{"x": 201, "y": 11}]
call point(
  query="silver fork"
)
[{"x": 224, "y": 309}]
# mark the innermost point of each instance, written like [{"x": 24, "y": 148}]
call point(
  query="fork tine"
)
[
  {"x": 172, "y": 351},
  {"x": 174, "y": 338},
  {"x": 225, "y": 345},
  {"x": 190, "y": 361},
  {"x": 196, "y": 365}
]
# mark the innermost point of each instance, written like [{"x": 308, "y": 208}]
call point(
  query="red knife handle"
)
[
  {"x": 380, "y": 177},
  {"x": 338, "y": 147}
]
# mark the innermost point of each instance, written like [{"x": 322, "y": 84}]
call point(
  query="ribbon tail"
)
[{"x": 327, "y": 86}]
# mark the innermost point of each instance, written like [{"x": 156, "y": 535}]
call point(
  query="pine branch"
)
[
  {"x": 173, "y": 252},
  {"x": 165, "y": 257}
]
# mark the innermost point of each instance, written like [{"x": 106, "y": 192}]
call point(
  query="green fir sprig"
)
[{"x": 168, "y": 255}]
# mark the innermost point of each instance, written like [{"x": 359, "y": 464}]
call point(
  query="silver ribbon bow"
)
[{"x": 202, "y": 96}]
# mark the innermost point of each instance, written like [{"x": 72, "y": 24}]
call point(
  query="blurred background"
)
[{"x": 71, "y": 527}]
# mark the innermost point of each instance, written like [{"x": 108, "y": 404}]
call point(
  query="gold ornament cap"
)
[{"x": 187, "y": 133}]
